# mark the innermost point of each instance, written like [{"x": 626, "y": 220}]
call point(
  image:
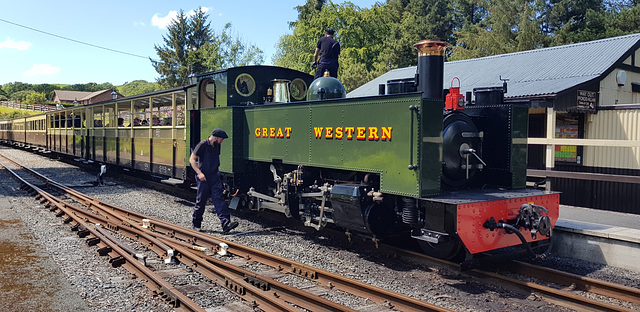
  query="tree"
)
[
  {"x": 566, "y": 19},
  {"x": 227, "y": 50},
  {"x": 20, "y": 95},
  {"x": 35, "y": 97},
  {"x": 412, "y": 21},
  {"x": 138, "y": 87},
  {"x": 510, "y": 26},
  {"x": 89, "y": 87},
  {"x": 173, "y": 67},
  {"x": 191, "y": 46}
]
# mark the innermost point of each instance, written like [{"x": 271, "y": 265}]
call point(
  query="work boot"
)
[{"x": 229, "y": 226}]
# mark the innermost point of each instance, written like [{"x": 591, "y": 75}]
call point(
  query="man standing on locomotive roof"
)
[
  {"x": 328, "y": 49},
  {"x": 205, "y": 160}
]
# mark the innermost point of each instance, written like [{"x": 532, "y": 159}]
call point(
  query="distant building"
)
[{"x": 81, "y": 97}]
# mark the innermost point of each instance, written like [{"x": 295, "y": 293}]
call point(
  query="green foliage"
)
[
  {"x": 226, "y": 50},
  {"x": 509, "y": 27},
  {"x": 35, "y": 97},
  {"x": 512, "y": 26},
  {"x": 383, "y": 36},
  {"x": 20, "y": 95},
  {"x": 138, "y": 87},
  {"x": 191, "y": 46},
  {"x": 89, "y": 87},
  {"x": 412, "y": 21}
]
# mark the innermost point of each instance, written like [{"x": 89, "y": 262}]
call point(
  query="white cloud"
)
[
  {"x": 163, "y": 22},
  {"x": 41, "y": 70},
  {"x": 136, "y": 24},
  {"x": 9, "y": 43}
]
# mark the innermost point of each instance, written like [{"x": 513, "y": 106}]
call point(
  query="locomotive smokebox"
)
[{"x": 431, "y": 67}]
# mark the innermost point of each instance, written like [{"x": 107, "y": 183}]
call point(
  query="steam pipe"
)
[{"x": 525, "y": 244}]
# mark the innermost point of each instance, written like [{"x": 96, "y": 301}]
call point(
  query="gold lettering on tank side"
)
[
  {"x": 318, "y": 132},
  {"x": 386, "y": 133},
  {"x": 329, "y": 133},
  {"x": 350, "y": 131},
  {"x": 272, "y": 132},
  {"x": 361, "y": 133}
]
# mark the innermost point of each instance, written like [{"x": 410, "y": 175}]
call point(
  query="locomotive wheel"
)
[{"x": 452, "y": 249}]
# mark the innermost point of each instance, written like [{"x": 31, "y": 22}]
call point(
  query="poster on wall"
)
[{"x": 566, "y": 153}]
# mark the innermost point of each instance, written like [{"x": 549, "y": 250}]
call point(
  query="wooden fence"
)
[{"x": 35, "y": 107}]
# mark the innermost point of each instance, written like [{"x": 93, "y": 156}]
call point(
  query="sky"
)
[{"x": 71, "y": 42}]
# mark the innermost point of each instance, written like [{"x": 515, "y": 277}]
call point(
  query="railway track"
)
[
  {"x": 95, "y": 220},
  {"x": 198, "y": 250},
  {"x": 561, "y": 288}
]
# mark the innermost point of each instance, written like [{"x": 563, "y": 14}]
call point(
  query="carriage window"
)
[
  {"x": 180, "y": 109},
  {"x": 98, "y": 118},
  {"x": 162, "y": 110},
  {"x": 69, "y": 119},
  {"x": 110, "y": 116},
  {"x": 124, "y": 114},
  {"x": 141, "y": 112}
]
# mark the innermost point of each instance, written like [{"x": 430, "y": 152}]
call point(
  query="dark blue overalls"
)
[{"x": 211, "y": 188}]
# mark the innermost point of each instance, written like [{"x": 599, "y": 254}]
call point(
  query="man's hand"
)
[
  {"x": 201, "y": 177},
  {"x": 314, "y": 65}
]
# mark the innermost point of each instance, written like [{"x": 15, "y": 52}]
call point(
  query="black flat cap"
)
[{"x": 217, "y": 132}]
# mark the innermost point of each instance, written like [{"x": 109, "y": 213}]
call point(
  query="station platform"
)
[{"x": 605, "y": 237}]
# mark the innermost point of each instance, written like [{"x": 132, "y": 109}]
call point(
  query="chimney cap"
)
[{"x": 431, "y": 47}]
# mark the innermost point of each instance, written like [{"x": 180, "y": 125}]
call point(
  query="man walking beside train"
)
[{"x": 205, "y": 161}]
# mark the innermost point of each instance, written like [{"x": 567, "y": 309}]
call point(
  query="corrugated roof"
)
[
  {"x": 71, "y": 95},
  {"x": 78, "y": 95},
  {"x": 536, "y": 72}
]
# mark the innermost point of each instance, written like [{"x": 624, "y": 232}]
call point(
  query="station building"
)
[
  {"x": 83, "y": 97},
  {"x": 584, "y": 106}
]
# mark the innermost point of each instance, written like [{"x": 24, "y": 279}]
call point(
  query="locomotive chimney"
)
[{"x": 431, "y": 67}]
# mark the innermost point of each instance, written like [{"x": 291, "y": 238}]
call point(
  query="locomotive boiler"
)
[{"x": 452, "y": 177}]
